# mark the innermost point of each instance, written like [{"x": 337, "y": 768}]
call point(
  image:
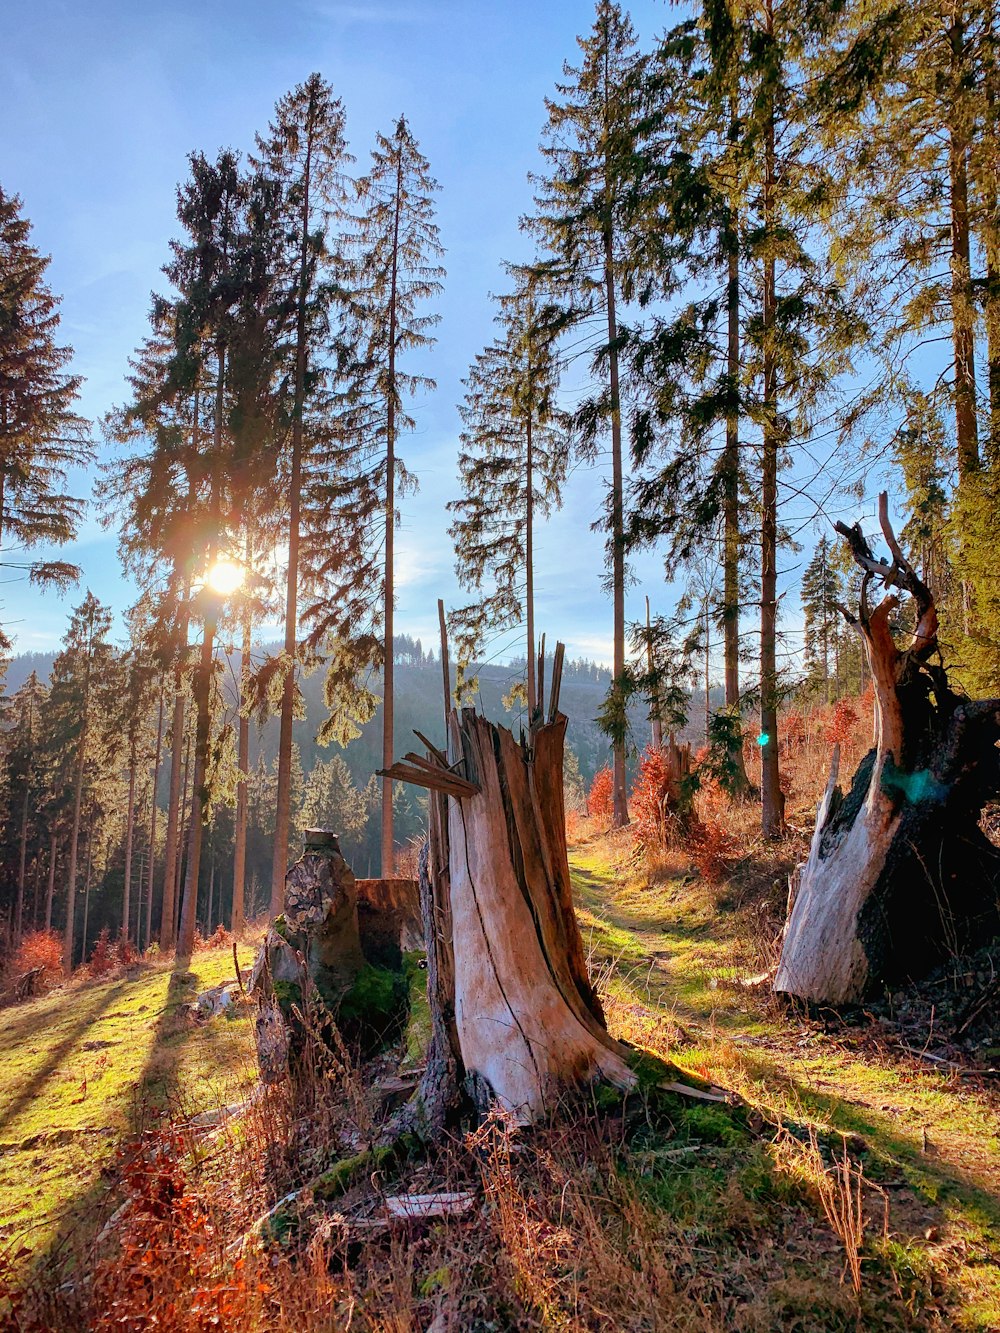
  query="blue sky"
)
[{"x": 109, "y": 97}]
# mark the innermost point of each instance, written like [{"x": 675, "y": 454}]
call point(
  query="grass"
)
[
  {"x": 668, "y": 957},
  {"x": 83, "y": 1065},
  {"x": 690, "y": 1216}
]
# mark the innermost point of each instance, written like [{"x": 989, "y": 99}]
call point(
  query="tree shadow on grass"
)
[
  {"x": 34, "y": 1086},
  {"x": 71, "y": 1241}
]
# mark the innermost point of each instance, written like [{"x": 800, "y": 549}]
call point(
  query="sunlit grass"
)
[
  {"x": 666, "y": 956},
  {"x": 77, "y": 1064}
]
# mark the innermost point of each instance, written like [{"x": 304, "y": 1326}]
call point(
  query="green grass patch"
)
[{"x": 79, "y": 1067}]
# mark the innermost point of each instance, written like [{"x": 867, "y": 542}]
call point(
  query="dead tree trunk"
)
[
  {"x": 899, "y": 873},
  {"x": 515, "y": 1015}
]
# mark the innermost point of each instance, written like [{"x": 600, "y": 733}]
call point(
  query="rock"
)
[{"x": 216, "y": 999}]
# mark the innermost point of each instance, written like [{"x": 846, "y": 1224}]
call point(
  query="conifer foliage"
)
[{"x": 41, "y": 435}]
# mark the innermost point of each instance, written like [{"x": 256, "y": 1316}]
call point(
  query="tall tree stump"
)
[
  {"x": 515, "y": 1018},
  {"x": 899, "y": 873}
]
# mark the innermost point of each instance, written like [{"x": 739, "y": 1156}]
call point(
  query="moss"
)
[
  {"x": 347, "y": 1173},
  {"x": 280, "y": 926},
  {"x": 287, "y": 993},
  {"x": 373, "y": 1012},
  {"x": 418, "y": 1026}
]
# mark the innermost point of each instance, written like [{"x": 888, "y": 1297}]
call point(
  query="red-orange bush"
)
[
  {"x": 712, "y": 850},
  {"x": 104, "y": 958},
  {"x": 646, "y": 800},
  {"x": 219, "y": 937},
  {"x": 600, "y": 798},
  {"x": 842, "y": 724},
  {"x": 40, "y": 948},
  {"x": 167, "y": 1271}
]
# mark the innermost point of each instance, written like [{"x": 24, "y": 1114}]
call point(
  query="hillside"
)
[{"x": 713, "y": 1223}]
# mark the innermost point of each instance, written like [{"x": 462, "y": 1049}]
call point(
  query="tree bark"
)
[
  {"x": 171, "y": 852},
  {"x": 388, "y": 668},
  {"x": 129, "y": 840},
  {"x": 51, "y": 886},
  {"x": 515, "y": 1015},
  {"x": 242, "y": 772},
  {"x": 899, "y": 874},
  {"x": 283, "y": 801},
  {"x": 963, "y": 313},
  {"x": 151, "y": 869},
  {"x": 731, "y": 538},
  {"x": 619, "y": 793},
  {"x": 772, "y": 800}
]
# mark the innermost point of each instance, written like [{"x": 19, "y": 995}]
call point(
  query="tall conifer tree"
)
[
  {"x": 41, "y": 434},
  {"x": 585, "y": 214}
]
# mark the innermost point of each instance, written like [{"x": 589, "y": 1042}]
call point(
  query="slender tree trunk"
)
[
  {"x": 171, "y": 852},
  {"x": 86, "y": 895},
  {"x": 242, "y": 771},
  {"x": 203, "y": 706},
  {"x": 74, "y": 838},
  {"x": 283, "y": 796},
  {"x": 529, "y": 565},
  {"x": 650, "y": 666},
  {"x": 129, "y": 841},
  {"x": 211, "y": 891},
  {"x": 22, "y": 863},
  {"x": 388, "y": 672},
  {"x": 963, "y": 314},
  {"x": 772, "y": 801},
  {"x": 51, "y": 887},
  {"x": 731, "y": 540},
  {"x": 36, "y": 892},
  {"x": 70, "y": 932},
  {"x": 619, "y": 795},
  {"x": 708, "y": 659},
  {"x": 151, "y": 869}
]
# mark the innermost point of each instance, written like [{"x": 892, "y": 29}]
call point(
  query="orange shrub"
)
[
  {"x": 103, "y": 959},
  {"x": 600, "y": 798},
  {"x": 646, "y": 800},
  {"x": 842, "y": 724},
  {"x": 712, "y": 850},
  {"x": 40, "y": 948},
  {"x": 219, "y": 937}
]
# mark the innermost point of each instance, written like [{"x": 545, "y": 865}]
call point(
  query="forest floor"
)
[
  {"x": 713, "y": 1220},
  {"x": 86, "y": 1066}
]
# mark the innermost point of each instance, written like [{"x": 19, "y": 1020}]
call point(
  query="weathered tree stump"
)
[
  {"x": 515, "y": 1018},
  {"x": 899, "y": 873},
  {"x": 315, "y": 951}
]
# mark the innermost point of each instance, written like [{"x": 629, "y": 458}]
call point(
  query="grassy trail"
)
[{"x": 668, "y": 958}]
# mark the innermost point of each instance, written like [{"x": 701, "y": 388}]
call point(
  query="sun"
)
[{"x": 224, "y": 577}]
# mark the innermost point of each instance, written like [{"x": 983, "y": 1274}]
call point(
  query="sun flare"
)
[{"x": 224, "y": 577}]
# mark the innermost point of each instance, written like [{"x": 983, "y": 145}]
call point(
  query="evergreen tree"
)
[
  {"x": 512, "y": 466},
  {"x": 84, "y": 683},
  {"x": 24, "y": 778},
  {"x": 585, "y": 216},
  {"x": 394, "y": 248},
  {"x": 333, "y": 802},
  {"x": 41, "y": 435},
  {"x": 305, "y": 151},
  {"x": 820, "y": 593}
]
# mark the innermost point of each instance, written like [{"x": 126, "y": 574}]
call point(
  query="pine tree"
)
[
  {"x": 820, "y": 593},
  {"x": 585, "y": 214},
  {"x": 24, "y": 782},
  {"x": 41, "y": 435},
  {"x": 333, "y": 802},
  {"x": 394, "y": 248},
  {"x": 512, "y": 466},
  {"x": 305, "y": 152},
  {"x": 83, "y": 686}
]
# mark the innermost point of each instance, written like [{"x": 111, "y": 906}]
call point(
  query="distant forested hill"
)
[{"x": 419, "y": 705}]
